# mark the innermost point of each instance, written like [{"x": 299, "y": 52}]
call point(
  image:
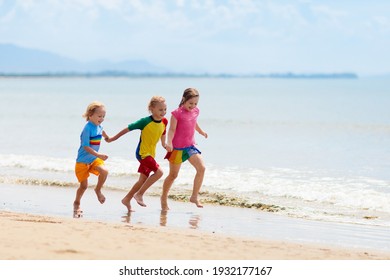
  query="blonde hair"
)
[
  {"x": 154, "y": 101},
  {"x": 92, "y": 108},
  {"x": 188, "y": 94}
]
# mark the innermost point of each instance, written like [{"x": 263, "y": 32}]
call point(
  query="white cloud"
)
[
  {"x": 115, "y": 5},
  {"x": 382, "y": 23},
  {"x": 329, "y": 16},
  {"x": 8, "y": 16}
]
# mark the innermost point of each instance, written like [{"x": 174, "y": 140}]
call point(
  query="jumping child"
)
[
  {"x": 153, "y": 129},
  {"x": 181, "y": 145},
  {"x": 89, "y": 160}
]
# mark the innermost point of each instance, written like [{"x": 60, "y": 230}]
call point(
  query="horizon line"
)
[{"x": 114, "y": 73}]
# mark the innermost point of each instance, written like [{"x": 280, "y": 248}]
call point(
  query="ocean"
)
[{"x": 316, "y": 149}]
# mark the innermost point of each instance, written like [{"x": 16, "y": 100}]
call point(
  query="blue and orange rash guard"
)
[
  {"x": 151, "y": 132},
  {"x": 91, "y": 136}
]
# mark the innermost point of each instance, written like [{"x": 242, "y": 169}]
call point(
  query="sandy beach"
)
[
  {"x": 34, "y": 237},
  {"x": 36, "y": 224}
]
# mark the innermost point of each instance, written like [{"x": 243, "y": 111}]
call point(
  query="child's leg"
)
[
  {"x": 79, "y": 194},
  {"x": 197, "y": 161},
  {"x": 174, "y": 169},
  {"x": 126, "y": 200},
  {"x": 103, "y": 173},
  {"x": 146, "y": 185}
]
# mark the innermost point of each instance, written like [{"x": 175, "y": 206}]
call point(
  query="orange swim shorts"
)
[{"x": 82, "y": 170}]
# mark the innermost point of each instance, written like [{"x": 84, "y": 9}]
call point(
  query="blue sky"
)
[{"x": 240, "y": 36}]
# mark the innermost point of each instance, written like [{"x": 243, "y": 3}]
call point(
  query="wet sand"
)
[{"x": 37, "y": 223}]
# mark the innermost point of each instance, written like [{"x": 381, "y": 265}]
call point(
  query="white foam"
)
[{"x": 302, "y": 193}]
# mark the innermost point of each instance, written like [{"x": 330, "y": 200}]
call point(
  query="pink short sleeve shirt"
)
[{"x": 185, "y": 129}]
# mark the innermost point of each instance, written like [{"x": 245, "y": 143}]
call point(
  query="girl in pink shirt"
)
[{"x": 181, "y": 145}]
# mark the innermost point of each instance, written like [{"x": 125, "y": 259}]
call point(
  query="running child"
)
[
  {"x": 153, "y": 129},
  {"x": 181, "y": 145},
  {"x": 89, "y": 160}
]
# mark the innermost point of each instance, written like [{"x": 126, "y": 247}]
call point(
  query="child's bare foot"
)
[
  {"x": 139, "y": 200},
  {"x": 126, "y": 202},
  {"x": 77, "y": 212},
  {"x": 164, "y": 204},
  {"x": 100, "y": 196},
  {"x": 195, "y": 200}
]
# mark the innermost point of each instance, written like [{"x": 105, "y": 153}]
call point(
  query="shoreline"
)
[{"x": 47, "y": 211}]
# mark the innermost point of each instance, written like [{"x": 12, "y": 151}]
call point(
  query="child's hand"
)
[
  {"x": 205, "y": 135},
  {"x": 103, "y": 157},
  {"x": 106, "y": 137},
  {"x": 169, "y": 148}
]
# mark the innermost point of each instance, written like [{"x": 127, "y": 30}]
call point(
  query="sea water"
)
[{"x": 314, "y": 148}]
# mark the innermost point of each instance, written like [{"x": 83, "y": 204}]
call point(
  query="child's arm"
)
[
  {"x": 200, "y": 131},
  {"x": 105, "y": 136},
  {"x": 171, "y": 133},
  {"x": 96, "y": 154},
  {"x": 163, "y": 141},
  {"x": 120, "y": 134},
  {"x": 164, "y": 135}
]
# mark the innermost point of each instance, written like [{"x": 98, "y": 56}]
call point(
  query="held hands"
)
[
  {"x": 109, "y": 139},
  {"x": 106, "y": 137},
  {"x": 168, "y": 147}
]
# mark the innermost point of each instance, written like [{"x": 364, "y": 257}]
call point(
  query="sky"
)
[{"x": 236, "y": 36}]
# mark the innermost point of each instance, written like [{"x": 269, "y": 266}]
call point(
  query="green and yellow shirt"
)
[{"x": 151, "y": 132}]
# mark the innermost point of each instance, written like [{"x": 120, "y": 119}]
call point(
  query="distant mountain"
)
[{"x": 19, "y": 60}]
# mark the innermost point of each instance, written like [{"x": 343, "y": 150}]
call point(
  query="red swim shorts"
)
[{"x": 148, "y": 165}]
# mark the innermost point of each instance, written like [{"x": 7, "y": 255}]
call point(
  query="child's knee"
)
[
  {"x": 201, "y": 168},
  {"x": 83, "y": 185},
  {"x": 173, "y": 176},
  {"x": 159, "y": 173},
  {"x": 103, "y": 171}
]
